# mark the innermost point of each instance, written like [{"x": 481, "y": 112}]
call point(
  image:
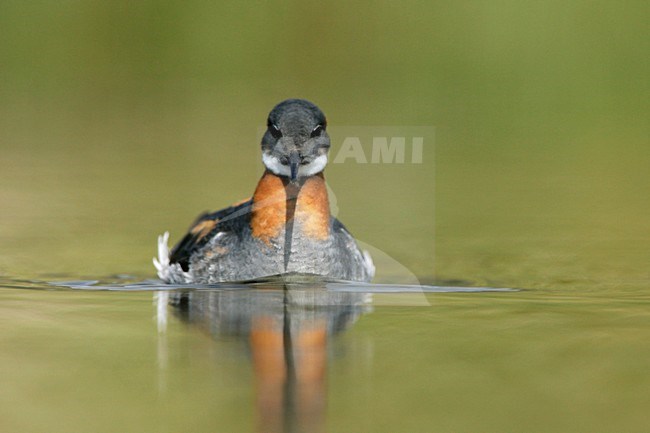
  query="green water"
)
[{"x": 118, "y": 122}]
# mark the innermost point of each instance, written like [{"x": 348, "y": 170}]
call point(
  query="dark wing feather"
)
[
  {"x": 205, "y": 227},
  {"x": 339, "y": 227}
]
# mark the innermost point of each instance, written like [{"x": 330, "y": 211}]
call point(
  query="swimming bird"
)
[{"x": 286, "y": 226}]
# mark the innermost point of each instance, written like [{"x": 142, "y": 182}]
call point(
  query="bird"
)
[{"x": 285, "y": 228}]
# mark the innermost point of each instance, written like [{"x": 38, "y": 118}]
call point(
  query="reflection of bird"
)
[
  {"x": 286, "y": 227},
  {"x": 287, "y": 334}
]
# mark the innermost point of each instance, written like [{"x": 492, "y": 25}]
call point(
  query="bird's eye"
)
[
  {"x": 275, "y": 131},
  {"x": 317, "y": 130}
]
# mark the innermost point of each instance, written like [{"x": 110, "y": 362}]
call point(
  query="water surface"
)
[{"x": 309, "y": 359}]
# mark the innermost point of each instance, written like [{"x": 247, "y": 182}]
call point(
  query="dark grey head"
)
[{"x": 295, "y": 143}]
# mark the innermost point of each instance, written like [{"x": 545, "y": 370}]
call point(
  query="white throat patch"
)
[{"x": 274, "y": 165}]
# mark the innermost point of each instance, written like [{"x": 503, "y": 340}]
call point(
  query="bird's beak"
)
[{"x": 294, "y": 164}]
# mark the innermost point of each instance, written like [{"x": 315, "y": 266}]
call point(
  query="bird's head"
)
[{"x": 296, "y": 143}]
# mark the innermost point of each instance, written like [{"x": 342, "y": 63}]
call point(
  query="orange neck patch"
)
[{"x": 274, "y": 194}]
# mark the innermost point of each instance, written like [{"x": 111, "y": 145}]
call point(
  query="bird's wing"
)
[{"x": 205, "y": 227}]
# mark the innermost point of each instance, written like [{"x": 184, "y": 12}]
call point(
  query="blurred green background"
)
[
  {"x": 119, "y": 120},
  {"x": 122, "y": 119}
]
